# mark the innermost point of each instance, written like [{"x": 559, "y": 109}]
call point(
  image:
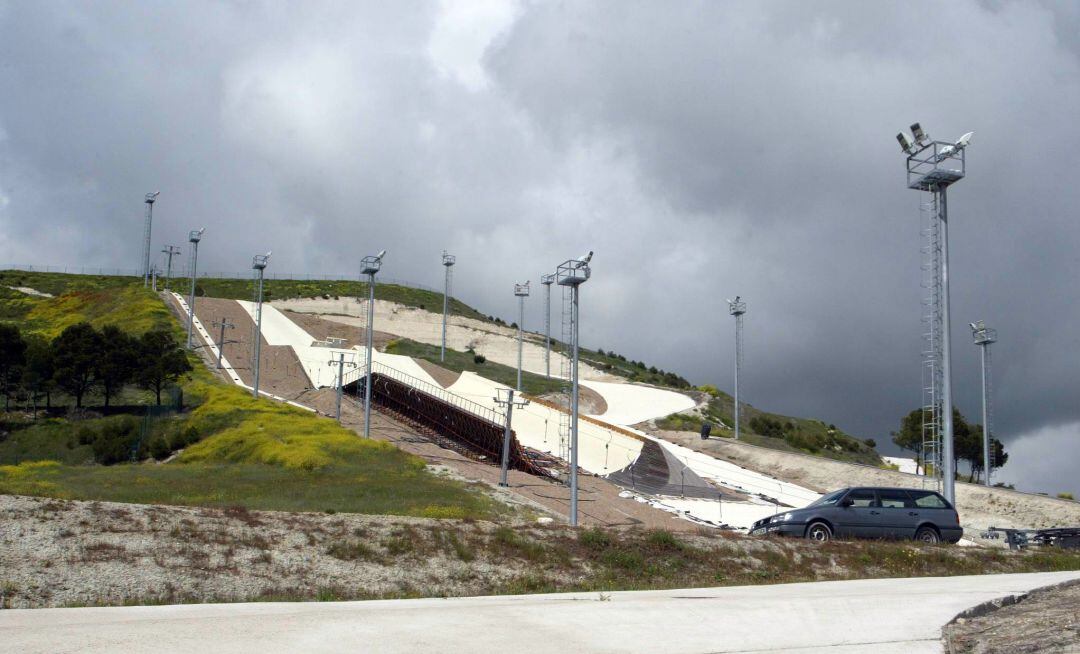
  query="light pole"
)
[
  {"x": 933, "y": 166},
  {"x": 223, "y": 324},
  {"x": 574, "y": 273},
  {"x": 521, "y": 291},
  {"x": 737, "y": 308},
  {"x": 448, "y": 261},
  {"x": 505, "y": 397},
  {"x": 547, "y": 281},
  {"x": 258, "y": 264},
  {"x": 341, "y": 363},
  {"x": 984, "y": 336},
  {"x": 169, "y": 251},
  {"x": 193, "y": 237},
  {"x": 150, "y": 199},
  {"x": 369, "y": 266}
]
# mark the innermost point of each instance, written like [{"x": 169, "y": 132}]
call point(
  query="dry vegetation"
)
[{"x": 72, "y": 553}]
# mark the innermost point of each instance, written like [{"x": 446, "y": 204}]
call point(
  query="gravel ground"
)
[{"x": 1045, "y": 620}]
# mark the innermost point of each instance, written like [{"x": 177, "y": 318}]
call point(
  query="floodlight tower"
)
[
  {"x": 258, "y": 264},
  {"x": 369, "y": 266},
  {"x": 572, "y": 273},
  {"x": 737, "y": 308},
  {"x": 984, "y": 336},
  {"x": 448, "y": 261},
  {"x": 194, "y": 236},
  {"x": 547, "y": 281},
  {"x": 933, "y": 166},
  {"x": 169, "y": 251},
  {"x": 521, "y": 291},
  {"x": 150, "y": 199}
]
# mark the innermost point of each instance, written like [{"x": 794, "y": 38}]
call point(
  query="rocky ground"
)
[
  {"x": 1046, "y": 620},
  {"x": 75, "y": 553}
]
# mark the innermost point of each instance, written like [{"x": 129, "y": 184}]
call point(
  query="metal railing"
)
[{"x": 358, "y": 374}]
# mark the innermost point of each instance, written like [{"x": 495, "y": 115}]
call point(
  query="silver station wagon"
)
[{"x": 892, "y": 513}]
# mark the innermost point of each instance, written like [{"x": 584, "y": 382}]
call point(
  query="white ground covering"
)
[
  {"x": 629, "y": 404},
  {"x": 600, "y": 450},
  {"x": 736, "y": 514},
  {"x": 499, "y": 344},
  {"x": 30, "y": 291},
  {"x": 905, "y": 464}
]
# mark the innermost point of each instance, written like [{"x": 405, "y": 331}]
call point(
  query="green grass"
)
[
  {"x": 391, "y": 484},
  {"x": 50, "y": 439},
  {"x": 464, "y": 361}
]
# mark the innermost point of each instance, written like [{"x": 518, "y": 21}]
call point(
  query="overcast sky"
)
[{"x": 702, "y": 149}]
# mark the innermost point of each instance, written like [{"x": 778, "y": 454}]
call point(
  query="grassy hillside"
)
[
  {"x": 255, "y": 454},
  {"x": 775, "y": 431}
]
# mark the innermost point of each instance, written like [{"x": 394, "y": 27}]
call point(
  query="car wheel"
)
[
  {"x": 819, "y": 531},
  {"x": 927, "y": 535}
]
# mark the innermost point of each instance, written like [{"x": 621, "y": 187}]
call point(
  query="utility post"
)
[
  {"x": 150, "y": 199},
  {"x": 505, "y": 397},
  {"x": 573, "y": 273},
  {"x": 193, "y": 237},
  {"x": 370, "y": 265},
  {"x": 521, "y": 291},
  {"x": 737, "y": 308},
  {"x": 984, "y": 336},
  {"x": 169, "y": 251},
  {"x": 547, "y": 281},
  {"x": 341, "y": 363},
  {"x": 258, "y": 264},
  {"x": 448, "y": 261},
  {"x": 932, "y": 167},
  {"x": 223, "y": 324}
]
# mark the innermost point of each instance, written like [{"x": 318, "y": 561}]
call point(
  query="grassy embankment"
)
[
  {"x": 257, "y": 454},
  {"x": 458, "y": 361}
]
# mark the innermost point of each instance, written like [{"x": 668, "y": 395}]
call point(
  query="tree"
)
[
  {"x": 910, "y": 436},
  {"x": 76, "y": 351},
  {"x": 12, "y": 357},
  {"x": 161, "y": 361},
  {"x": 118, "y": 361},
  {"x": 37, "y": 372}
]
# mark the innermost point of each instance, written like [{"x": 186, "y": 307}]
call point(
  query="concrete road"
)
[{"x": 886, "y": 615}]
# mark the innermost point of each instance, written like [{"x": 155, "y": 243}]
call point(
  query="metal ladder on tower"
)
[{"x": 932, "y": 354}]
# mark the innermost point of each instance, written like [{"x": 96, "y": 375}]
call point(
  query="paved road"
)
[{"x": 881, "y": 616}]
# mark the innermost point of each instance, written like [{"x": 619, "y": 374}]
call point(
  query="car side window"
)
[
  {"x": 895, "y": 499},
  {"x": 863, "y": 498},
  {"x": 928, "y": 500}
]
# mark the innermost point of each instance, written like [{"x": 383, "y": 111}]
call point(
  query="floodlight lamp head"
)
[
  {"x": 587, "y": 258},
  {"x": 963, "y": 141},
  {"x": 906, "y": 144},
  {"x": 382, "y": 253},
  {"x": 195, "y": 235},
  {"x": 920, "y": 136},
  {"x": 150, "y": 197}
]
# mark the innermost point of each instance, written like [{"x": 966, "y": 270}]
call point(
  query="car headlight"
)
[{"x": 785, "y": 517}]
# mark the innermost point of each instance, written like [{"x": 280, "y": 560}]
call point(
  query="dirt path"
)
[{"x": 446, "y": 378}]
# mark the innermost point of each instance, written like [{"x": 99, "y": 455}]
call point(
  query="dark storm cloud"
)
[{"x": 702, "y": 149}]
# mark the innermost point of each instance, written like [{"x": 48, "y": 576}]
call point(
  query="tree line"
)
[
  {"x": 967, "y": 442},
  {"x": 83, "y": 359}
]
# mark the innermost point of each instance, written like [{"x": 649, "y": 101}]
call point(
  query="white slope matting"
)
[
  {"x": 903, "y": 463},
  {"x": 629, "y": 404},
  {"x": 601, "y": 450}
]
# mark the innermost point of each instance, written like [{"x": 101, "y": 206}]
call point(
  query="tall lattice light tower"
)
[
  {"x": 169, "y": 251},
  {"x": 448, "y": 261},
  {"x": 150, "y": 199},
  {"x": 369, "y": 265},
  {"x": 521, "y": 291},
  {"x": 933, "y": 166},
  {"x": 984, "y": 336},
  {"x": 547, "y": 281},
  {"x": 571, "y": 274},
  {"x": 737, "y": 308},
  {"x": 194, "y": 236},
  {"x": 258, "y": 264}
]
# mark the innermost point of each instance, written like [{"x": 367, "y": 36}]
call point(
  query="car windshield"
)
[{"x": 830, "y": 499}]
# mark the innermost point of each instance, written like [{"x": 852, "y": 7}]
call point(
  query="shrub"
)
[
  {"x": 479, "y": 358},
  {"x": 1066, "y": 496}
]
